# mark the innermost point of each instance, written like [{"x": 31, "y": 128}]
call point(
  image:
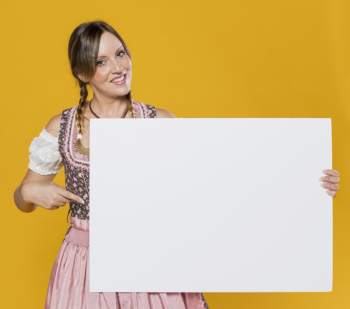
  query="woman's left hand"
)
[{"x": 330, "y": 182}]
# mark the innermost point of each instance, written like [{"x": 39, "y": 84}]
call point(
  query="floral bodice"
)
[{"x": 48, "y": 154}]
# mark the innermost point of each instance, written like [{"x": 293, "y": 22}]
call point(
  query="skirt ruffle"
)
[{"x": 69, "y": 282}]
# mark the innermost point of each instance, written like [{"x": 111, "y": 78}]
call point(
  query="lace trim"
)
[
  {"x": 45, "y": 154},
  {"x": 48, "y": 137},
  {"x": 44, "y": 157},
  {"x": 37, "y": 169}
]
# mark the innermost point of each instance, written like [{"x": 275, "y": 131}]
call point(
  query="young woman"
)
[{"x": 98, "y": 57}]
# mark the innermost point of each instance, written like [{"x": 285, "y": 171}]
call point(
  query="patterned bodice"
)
[{"x": 77, "y": 165}]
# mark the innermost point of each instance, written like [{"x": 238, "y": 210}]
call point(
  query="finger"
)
[
  {"x": 330, "y": 172},
  {"x": 328, "y": 185},
  {"x": 71, "y": 196},
  {"x": 331, "y": 193},
  {"x": 57, "y": 205},
  {"x": 333, "y": 179},
  {"x": 61, "y": 204},
  {"x": 64, "y": 199}
]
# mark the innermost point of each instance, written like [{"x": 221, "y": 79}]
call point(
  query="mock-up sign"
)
[{"x": 210, "y": 205}]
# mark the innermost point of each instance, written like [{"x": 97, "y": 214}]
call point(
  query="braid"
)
[
  {"x": 131, "y": 105},
  {"x": 79, "y": 119},
  {"x": 80, "y": 116}
]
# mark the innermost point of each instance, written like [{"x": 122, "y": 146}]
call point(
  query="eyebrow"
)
[{"x": 116, "y": 51}]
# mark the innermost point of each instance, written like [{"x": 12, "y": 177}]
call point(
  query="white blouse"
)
[{"x": 45, "y": 158}]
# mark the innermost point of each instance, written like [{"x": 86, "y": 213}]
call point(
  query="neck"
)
[{"x": 109, "y": 108}]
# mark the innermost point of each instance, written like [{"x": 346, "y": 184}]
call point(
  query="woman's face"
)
[{"x": 112, "y": 63}]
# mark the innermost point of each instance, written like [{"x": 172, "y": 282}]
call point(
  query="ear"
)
[{"x": 82, "y": 78}]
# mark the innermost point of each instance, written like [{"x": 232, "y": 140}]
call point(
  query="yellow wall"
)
[{"x": 247, "y": 58}]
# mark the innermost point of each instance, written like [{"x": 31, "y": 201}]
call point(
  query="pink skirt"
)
[{"x": 69, "y": 282}]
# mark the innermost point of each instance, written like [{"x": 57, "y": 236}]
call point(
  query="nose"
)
[{"x": 116, "y": 66}]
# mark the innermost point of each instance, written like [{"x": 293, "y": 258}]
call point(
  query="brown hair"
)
[{"x": 82, "y": 52}]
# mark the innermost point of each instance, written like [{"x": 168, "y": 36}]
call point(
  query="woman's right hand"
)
[{"x": 47, "y": 195}]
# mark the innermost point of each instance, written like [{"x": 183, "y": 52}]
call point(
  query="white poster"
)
[{"x": 210, "y": 205}]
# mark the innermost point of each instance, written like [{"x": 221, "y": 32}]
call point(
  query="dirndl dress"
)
[{"x": 69, "y": 280}]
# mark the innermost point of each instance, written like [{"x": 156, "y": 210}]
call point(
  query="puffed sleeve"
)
[{"x": 44, "y": 157}]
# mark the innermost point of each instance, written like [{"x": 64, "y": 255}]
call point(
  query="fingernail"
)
[
  {"x": 321, "y": 178},
  {"x": 321, "y": 184},
  {"x": 82, "y": 201},
  {"x": 324, "y": 171}
]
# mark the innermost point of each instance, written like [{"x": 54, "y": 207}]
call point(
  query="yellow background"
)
[{"x": 247, "y": 58}]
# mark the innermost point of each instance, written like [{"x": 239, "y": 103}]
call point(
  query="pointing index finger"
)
[{"x": 71, "y": 196}]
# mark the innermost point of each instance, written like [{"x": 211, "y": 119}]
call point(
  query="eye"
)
[
  {"x": 99, "y": 63},
  {"x": 123, "y": 52}
]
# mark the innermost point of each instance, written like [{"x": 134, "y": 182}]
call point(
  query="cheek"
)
[
  {"x": 127, "y": 63},
  {"x": 101, "y": 73}
]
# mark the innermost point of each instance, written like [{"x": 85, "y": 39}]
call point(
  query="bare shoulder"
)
[
  {"x": 53, "y": 126},
  {"x": 163, "y": 113}
]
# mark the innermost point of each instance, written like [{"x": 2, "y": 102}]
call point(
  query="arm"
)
[
  {"x": 21, "y": 196},
  {"x": 36, "y": 189}
]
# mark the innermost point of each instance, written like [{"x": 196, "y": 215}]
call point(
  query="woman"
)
[{"x": 98, "y": 57}]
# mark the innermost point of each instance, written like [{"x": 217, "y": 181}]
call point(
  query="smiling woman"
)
[{"x": 98, "y": 57}]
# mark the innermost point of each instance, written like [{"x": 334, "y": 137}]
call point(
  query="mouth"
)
[{"x": 119, "y": 80}]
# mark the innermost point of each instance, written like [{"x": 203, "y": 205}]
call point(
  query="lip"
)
[{"x": 121, "y": 82}]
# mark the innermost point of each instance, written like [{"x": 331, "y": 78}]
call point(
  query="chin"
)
[{"x": 121, "y": 93}]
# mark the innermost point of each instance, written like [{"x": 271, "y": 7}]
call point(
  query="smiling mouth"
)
[{"x": 115, "y": 80}]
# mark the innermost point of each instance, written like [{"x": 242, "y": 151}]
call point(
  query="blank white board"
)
[{"x": 210, "y": 205}]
